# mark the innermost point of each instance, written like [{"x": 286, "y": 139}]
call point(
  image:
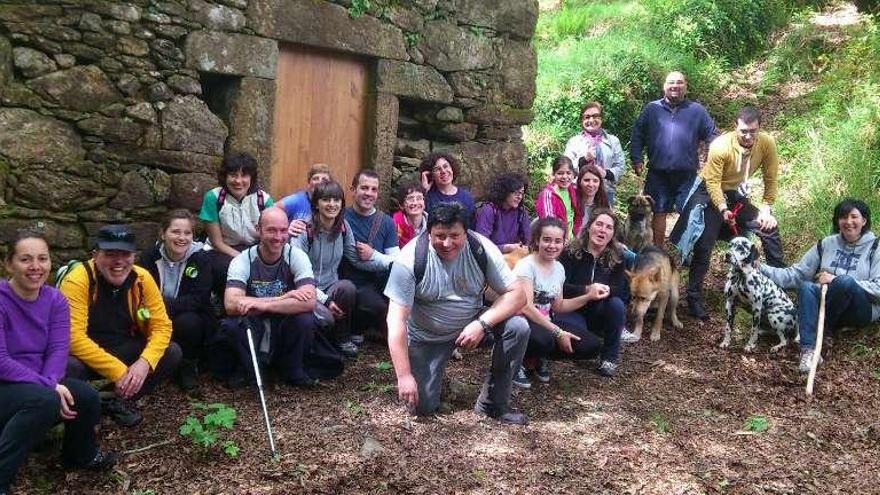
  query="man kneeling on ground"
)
[
  {"x": 119, "y": 329},
  {"x": 272, "y": 285},
  {"x": 436, "y": 299}
]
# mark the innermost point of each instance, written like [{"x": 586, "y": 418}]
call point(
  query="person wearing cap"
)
[{"x": 119, "y": 328}]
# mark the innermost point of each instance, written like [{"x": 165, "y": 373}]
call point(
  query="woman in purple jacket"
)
[
  {"x": 503, "y": 218},
  {"x": 34, "y": 343}
]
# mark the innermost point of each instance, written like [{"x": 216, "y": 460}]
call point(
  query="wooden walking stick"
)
[{"x": 817, "y": 352}]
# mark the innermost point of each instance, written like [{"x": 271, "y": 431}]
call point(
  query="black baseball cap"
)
[{"x": 115, "y": 237}]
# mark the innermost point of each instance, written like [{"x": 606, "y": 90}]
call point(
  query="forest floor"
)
[{"x": 681, "y": 417}]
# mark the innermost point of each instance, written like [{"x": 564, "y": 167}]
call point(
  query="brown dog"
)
[
  {"x": 514, "y": 256},
  {"x": 637, "y": 233},
  {"x": 654, "y": 282}
]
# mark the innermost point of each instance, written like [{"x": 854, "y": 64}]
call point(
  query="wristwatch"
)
[{"x": 487, "y": 328}]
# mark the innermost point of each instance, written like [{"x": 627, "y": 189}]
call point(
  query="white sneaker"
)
[
  {"x": 807, "y": 360},
  {"x": 628, "y": 337}
]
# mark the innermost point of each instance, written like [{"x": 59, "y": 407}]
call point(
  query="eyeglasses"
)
[{"x": 592, "y": 116}]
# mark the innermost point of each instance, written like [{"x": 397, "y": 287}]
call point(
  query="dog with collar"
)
[
  {"x": 637, "y": 232},
  {"x": 767, "y": 302}
]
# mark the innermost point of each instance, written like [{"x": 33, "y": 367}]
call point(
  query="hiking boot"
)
[
  {"x": 511, "y": 417},
  {"x": 696, "y": 308},
  {"x": 304, "y": 382},
  {"x": 358, "y": 339},
  {"x": 348, "y": 349},
  {"x": 188, "y": 375},
  {"x": 521, "y": 380},
  {"x": 103, "y": 461},
  {"x": 807, "y": 360},
  {"x": 542, "y": 370},
  {"x": 123, "y": 412},
  {"x": 628, "y": 337},
  {"x": 607, "y": 369}
]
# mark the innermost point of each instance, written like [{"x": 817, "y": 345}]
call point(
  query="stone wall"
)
[{"x": 117, "y": 111}]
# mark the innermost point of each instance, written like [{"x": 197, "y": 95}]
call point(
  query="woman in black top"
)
[{"x": 596, "y": 257}]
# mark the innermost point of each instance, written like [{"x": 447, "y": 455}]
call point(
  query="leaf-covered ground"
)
[{"x": 682, "y": 417}]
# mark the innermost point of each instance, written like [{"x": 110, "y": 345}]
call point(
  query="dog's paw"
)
[
  {"x": 655, "y": 336},
  {"x": 776, "y": 348},
  {"x": 749, "y": 348},
  {"x": 725, "y": 343},
  {"x": 677, "y": 324}
]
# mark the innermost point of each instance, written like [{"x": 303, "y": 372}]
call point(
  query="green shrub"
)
[
  {"x": 831, "y": 138},
  {"x": 731, "y": 30},
  {"x": 209, "y": 430}
]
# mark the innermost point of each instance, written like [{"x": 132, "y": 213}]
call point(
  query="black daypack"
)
[{"x": 421, "y": 258}]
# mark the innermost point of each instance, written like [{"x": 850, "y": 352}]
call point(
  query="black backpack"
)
[{"x": 421, "y": 258}]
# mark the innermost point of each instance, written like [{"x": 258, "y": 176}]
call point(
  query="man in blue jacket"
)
[{"x": 671, "y": 129}]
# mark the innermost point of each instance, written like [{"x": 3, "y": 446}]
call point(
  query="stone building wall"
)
[{"x": 115, "y": 111}]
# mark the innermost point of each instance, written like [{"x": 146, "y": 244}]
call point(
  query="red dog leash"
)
[{"x": 732, "y": 222}]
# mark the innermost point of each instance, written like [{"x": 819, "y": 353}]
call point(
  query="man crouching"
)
[{"x": 436, "y": 299}]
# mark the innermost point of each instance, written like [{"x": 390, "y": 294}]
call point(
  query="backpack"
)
[
  {"x": 64, "y": 270},
  {"x": 221, "y": 199},
  {"x": 421, "y": 255},
  {"x": 870, "y": 253}
]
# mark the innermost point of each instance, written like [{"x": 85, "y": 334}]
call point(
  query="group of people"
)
[{"x": 310, "y": 276}]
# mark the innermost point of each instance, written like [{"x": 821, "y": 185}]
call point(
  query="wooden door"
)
[{"x": 320, "y": 117}]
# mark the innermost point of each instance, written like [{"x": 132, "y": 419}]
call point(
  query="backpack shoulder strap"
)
[
  {"x": 819, "y": 250},
  {"x": 92, "y": 282},
  {"x": 374, "y": 227},
  {"x": 478, "y": 251},
  {"x": 421, "y": 257},
  {"x": 221, "y": 198},
  {"x": 873, "y": 248}
]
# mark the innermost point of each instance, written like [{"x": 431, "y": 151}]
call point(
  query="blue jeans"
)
[
  {"x": 846, "y": 304},
  {"x": 428, "y": 360},
  {"x": 604, "y": 319}
]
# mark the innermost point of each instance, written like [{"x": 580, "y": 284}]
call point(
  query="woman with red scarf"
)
[{"x": 598, "y": 147}]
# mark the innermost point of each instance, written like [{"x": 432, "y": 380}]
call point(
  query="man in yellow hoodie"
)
[
  {"x": 724, "y": 193},
  {"x": 119, "y": 328}
]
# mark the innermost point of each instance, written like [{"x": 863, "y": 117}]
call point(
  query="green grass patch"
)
[
  {"x": 831, "y": 139},
  {"x": 757, "y": 423},
  {"x": 661, "y": 423}
]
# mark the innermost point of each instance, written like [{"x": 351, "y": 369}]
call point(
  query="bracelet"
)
[
  {"x": 557, "y": 332},
  {"x": 487, "y": 328}
]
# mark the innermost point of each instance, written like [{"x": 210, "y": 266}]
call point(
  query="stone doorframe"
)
[{"x": 253, "y": 58}]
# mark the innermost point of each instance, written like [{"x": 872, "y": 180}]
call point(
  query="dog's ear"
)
[
  {"x": 629, "y": 274},
  {"x": 656, "y": 274},
  {"x": 754, "y": 255},
  {"x": 650, "y": 200},
  {"x": 631, "y": 200}
]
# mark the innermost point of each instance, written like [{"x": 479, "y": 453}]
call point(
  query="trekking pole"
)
[
  {"x": 250, "y": 339},
  {"x": 817, "y": 352}
]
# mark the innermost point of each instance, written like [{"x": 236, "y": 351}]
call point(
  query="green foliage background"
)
[{"x": 825, "y": 80}]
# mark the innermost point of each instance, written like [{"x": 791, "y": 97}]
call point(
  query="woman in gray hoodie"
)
[
  {"x": 183, "y": 273},
  {"x": 847, "y": 262},
  {"x": 327, "y": 239}
]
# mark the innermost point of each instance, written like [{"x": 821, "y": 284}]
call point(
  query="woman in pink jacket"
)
[{"x": 559, "y": 198}]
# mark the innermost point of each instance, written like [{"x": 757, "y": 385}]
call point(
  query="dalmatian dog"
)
[{"x": 766, "y": 301}]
